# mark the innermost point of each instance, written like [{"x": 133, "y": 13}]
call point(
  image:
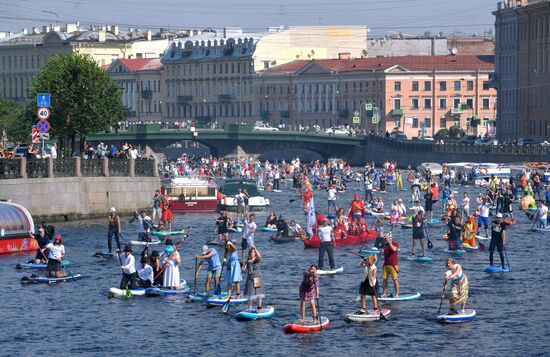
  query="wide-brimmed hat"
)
[{"x": 155, "y": 253}]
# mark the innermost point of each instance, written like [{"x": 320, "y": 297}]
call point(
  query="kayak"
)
[
  {"x": 255, "y": 314},
  {"x": 221, "y": 300},
  {"x": 104, "y": 254},
  {"x": 402, "y": 297},
  {"x": 368, "y": 316},
  {"x": 420, "y": 259},
  {"x": 65, "y": 262},
  {"x": 467, "y": 315},
  {"x": 306, "y": 326},
  {"x": 151, "y": 242},
  {"x": 161, "y": 291},
  {"x": 266, "y": 229},
  {"x": 168, "y": 233},
  {"x": 282, "y": 239},
  {"x": 370, "y": 251},
  {"x": 454, "y": 251},
  {"x": 48, "y": 280},
  {"x": 200, "y": 297},
  {"x": 496, "y": 269},
  {"x": 330, "y": 272},
  {"x": 121, "y": 293}
]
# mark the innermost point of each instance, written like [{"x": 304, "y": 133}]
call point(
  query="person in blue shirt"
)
[
  {"x": 112, "y": 151},
  {"x": 42, "y": 240},
  {"x": 446, "y": 194},
  {"x": 210, "y": 255},
  {"x": 547, "y": 196}
]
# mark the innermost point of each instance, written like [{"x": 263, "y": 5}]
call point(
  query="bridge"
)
[{"x": 223, "y": 142}]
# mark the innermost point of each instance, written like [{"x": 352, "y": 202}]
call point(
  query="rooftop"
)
[{"x": 137, "y": 64}]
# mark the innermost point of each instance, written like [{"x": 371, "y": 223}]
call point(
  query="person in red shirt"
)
[{"x": 391, "y": 265}]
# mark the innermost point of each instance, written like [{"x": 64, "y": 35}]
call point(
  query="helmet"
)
[
  {"x": 169, "y": 249},
  {"x": 112, "y": 210}
]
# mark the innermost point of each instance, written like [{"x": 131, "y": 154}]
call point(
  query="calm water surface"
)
[{"x": 77, "y": 317}]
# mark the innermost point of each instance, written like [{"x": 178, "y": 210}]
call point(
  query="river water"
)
[{"x": 78, "y": 318}]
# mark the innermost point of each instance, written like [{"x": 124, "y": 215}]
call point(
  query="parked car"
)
[
  {"x": 336, "y": 130},
  {"x": 264, "y": 127},
  {"x": 468, "y": 139},
  {"x": 398, "y": 135},
  {"x": 528, "y": 141},
  {"x": 426, "y": 138},
  {"x": 20, "y": 151}
]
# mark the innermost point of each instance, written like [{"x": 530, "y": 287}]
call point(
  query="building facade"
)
[
  {"x": 418, "y": 95},
  {"x": 140, "y": 81},
  {"x": 23, "y": 55},
  {"x": 522, "y": 69}
]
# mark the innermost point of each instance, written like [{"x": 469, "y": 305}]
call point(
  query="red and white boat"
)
[
  {"x": 192, "y": 194},
  {"x": 15, "y": 224}
]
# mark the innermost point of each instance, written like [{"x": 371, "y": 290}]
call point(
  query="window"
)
[
  {"x": 415, "y": 122},
  {"x": 485, "y": 122},
  {"x": 397, "y": 104},
  {"x": 485, "y": 85},
  {"x": 414, "y": 103},
  {"x": 427, "y": 85},
  {"x": 427, "y": 103},
  {"x": 456, "y": 103},
  {"x": 397, "y": 86},
  {"x": 485, "y": 103},
  {"x": 470, "y": 85},
  {"x": 457, "y": 85},
  {"x": 427, "y": 122},
  {"x": 470, "y": 103},
  {"x": 415, "y": 86},
  {"x": 442, "y": 103},
  {"x": 442, "y": 122}
]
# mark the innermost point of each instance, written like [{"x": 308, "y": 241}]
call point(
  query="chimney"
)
[
  {"x": 116, "y": 30},
  {"x": 148, "y": 35},
  {"x": 101, "y": 36}
]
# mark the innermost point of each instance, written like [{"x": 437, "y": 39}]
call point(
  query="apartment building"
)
[
  {"x": 522, "y": 69},
  {"x": 140, "y": 81},
  {"x": 418, "y": 95}
]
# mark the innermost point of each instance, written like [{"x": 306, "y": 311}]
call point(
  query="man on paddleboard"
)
[
  {"x": 391, "y": 265},
  {"x": 128, "y": 269},
  {"x": 498, "y": 239},
  {"x": 326, "y": 236},
  {"x": 214, "y": 266},
  {"x": 418, "y": 233}
]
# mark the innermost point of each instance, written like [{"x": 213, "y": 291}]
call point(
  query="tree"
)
[
  {"x": 84, "y": 99},
  {"x": 441, "y": 134},
  {"x": 455, "y": 132},
  {"x": 17, "y": 128}
]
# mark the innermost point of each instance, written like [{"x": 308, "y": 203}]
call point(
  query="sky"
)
[{"x": 382, "y": 16}]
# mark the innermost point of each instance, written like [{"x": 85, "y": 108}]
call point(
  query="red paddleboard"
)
[{"x": 306, "y": 326}]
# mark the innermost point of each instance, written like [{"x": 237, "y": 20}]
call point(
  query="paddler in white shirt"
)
[
  {"x": 144, "y": 273},
  {"x": 128, "y": 268}
]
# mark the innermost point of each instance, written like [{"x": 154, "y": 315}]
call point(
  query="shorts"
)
[
  {"x": 366, "y": 289},
  {"x": 214, "y": 273},
  {"x": 390, "y": 270},
  {"x": 484, "y": 220},
  {"x": 244, "y": 244},
  {"x": 241, "y": 209},
  {"x": 53, "y": 266},
  {"x": 418, "y": 235}
]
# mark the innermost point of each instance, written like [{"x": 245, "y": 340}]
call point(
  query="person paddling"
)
[
  {"x": 459, "y": 286},
  {"x": 128, "y": 268},
  {"x": 214, "y": 266},
  {"x": 154, "y": 262},
  {"x": 309, "y": 291},
  {"x": 170, "y": 264},
  {"x": 56, "y": 252},
  {"x": 326, "y": 236},
  {"x": 114, "y": 229},
  {"x": 253, "y": 286},
  {"x": 233, "y": 273},
  {"x": 42, "y": 240},
  {"x": 418, "y": 233},
  {"x": 369, "y": 284},
  {"x": 144, "y": 273},
  {"x": 248, "y": 233},
  {"x": 498, "y": 239},
  {"x": 391, "y": 265}
]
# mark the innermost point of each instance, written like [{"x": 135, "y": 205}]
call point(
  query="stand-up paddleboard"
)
[
  {"x": 202, "y": 297},
  {"x": 454, "y": 251},
  {"x": 370, "y": 251},
  {"x": 48, "y": 280},
  {"x": 277, "y": 191},
  {"x": 266, "y": 229},
  {"x": 434, "y": 222},
  {"x": 235, "y": 230},
  {"x": 478, "y": 237},
  {"x": 496, "y": 269},
  {"x": 470, "y": 249},
  {"x": 306, "y": 326},
  {"x": 401, "y": 297},
  {"x": 406, "y": 226},
  {"x": 336, "y": 270},
  {"x": 218, "y": 242},
  {"x": 219, "y": 301},
  {"x": 65, "y": 262},
  {"x": 121, "y": 293},
  {"x": 151, "y": 242},
  {"x": 419, "y": 259},
  {"x": 368, "y": 316},
  {"x": 166, "y": 292},
  {"x": 465, "y": 316},
  {"x": 540, "y": 230},
  {"x": 104, "y": 254},
  {"x": 168, "y": 233},
  {"x": 255, "y": 314}
]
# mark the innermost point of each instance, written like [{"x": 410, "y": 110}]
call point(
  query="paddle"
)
[
  {"x": 535, "y": 217},
  {"x": 430, "y": 244},
  {"x": 442, "y": 297},
  {"x": 197, "y": 270},
  {"x": 506, "y": 255},
  {"x": 226, "y": 306},
  {"x": 65, "y": 267},
  {"x": 317, "y": 302}
]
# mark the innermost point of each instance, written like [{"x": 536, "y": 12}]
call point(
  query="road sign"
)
[
  {"x": 43, "y": 100},
  {"x": 34, "y": 134},
  {"x": 356, "y": 113},
  {"x": 43, "y": 126},
  {"x": 368, "y": 106},
  {"x": 43, "y": 113},
  {"x": 356, "y": 120},
  {"x": 44, "y": 136},
  {"x": 376, "y": 118}
]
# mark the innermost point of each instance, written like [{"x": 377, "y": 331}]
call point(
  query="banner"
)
[{"x": 311, "y": 221}]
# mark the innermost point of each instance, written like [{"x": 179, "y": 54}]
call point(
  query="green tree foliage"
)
[
  {"x": 441, "y": 134},
  {"x": 453, "y": 133},
  {"x": 84, "y": 99},
  {"x": 11, "y": 120}
]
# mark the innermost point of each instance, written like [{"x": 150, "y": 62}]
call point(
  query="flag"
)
[{"x": 311, "y": 221}]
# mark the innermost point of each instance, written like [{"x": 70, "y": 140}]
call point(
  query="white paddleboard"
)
[
  {"x": 368, "y": 316},
  {"x": 337, "y": 270},
  {"x": 402, "y": 297},
  {"x": 467, "y": 315}
]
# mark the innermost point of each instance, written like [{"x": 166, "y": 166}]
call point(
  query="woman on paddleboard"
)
[
  {"x": 170, "y": 264},
  {"x": 369, "y": 284},
  {"x": 459, "y": 286},
  {"x": 253, "y": 285},
  {"x": 56, "y": 252},
  {"x": 233, "y": 273},
  {"x": 309, "y": 291}
]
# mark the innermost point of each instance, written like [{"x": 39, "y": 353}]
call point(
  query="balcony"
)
[
  {"x": 397, "y": 113},
  {"x": 146, "y": 94},
  {"x": 183, "y": 99},
  {"x": 457, "y": 111},
  {"x": 226, "y": 97}
]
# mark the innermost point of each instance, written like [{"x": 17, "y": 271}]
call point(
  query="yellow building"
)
[{"x": 23, "y": 55}]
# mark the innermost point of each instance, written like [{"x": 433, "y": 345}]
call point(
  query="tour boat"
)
[
  {"x": 256, "y": 202},
  {"x": 482, "y": 173},
  {"x": 15, "y": 225},
  {"x": 192, "y": 194}
]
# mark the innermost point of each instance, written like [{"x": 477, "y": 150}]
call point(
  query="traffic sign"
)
[
  {"x": 376, "y": 118},
  {"x": 43, "y": 100},
  {"x": 356, "y": 113},
  {"x": 356, "y": 120},
  {"x": 34, "y": 134},
  {"x": 45, "y": 136},
  {"x": 43, "y": 113},
  {"x": 43, "y": 126},
  {"x": 368, "y": 106}
]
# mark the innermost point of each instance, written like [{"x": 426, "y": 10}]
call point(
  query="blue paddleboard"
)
[
  {"x": 496, "y": 269},
  {"x": 255, "y": 314}
]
